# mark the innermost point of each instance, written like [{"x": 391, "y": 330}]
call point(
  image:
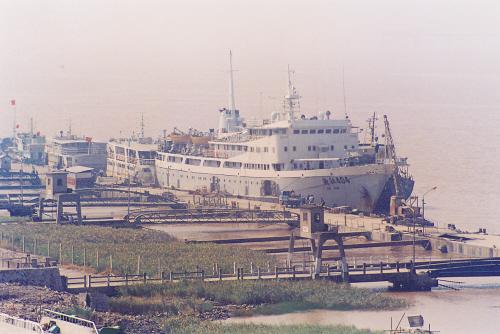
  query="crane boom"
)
[{"x": 391, "y": 150}]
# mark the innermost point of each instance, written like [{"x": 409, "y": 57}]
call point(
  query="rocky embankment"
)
[{"x": 26, "y": 302}]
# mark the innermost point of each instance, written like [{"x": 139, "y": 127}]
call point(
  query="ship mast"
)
[
  {"x": 232, "y": 105},
  {"x": 142, "y": 125},
  {"x": 292, "y": 98}
]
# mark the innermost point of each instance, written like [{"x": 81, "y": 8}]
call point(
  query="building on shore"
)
[
  {"x": 80, "y": 177},
  {"x": 132, "y": 159},
  {"x": 31, "y": 147},
  {"x": 68, "y": 151}
]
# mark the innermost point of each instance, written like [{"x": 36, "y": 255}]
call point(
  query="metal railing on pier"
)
[{"x": 213, "y": 215}]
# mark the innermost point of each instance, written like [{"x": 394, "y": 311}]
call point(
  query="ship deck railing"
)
[
  {"x": 71, "y": 319},
  {"x": 29, "y": 326}
]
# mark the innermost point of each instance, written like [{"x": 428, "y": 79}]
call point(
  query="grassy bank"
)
[
  {"x": 124, "y": 249},
  {"x": 183, "y": 325},
  {"x": 270, "y": 297}
]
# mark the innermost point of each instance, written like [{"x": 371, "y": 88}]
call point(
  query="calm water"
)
[
  {"x": 455, "y": 148},
  {"x": 473, "y": 309}
]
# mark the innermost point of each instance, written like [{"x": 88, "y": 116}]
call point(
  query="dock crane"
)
[{"x": 391, "y": 152}]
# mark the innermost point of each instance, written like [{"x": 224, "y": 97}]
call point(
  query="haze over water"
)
[{"x": 432, "y": 66}]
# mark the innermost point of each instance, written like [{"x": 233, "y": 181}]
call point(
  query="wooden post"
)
[
  {"x": 145, "y": 278},
  {"x": 90, "y": 281},
  {"x": 85, "y": 281},
  {"x": 109, "y": 280},
  {"x": 60, "y": 254},
  {"x": 138, "y": 264},
  {"x": 268, "y": 266},
  {"x": 111, "y": 263},
  {"x": 170, "y": 277},
  {"x": 293, "y": 274},
  {"x": 328, "y": 270},
  {"x": 220, "y": 274},
  {"x": 234, "y": 267},
  {"x": 381, "y": 267},
  {"x": 364, "y": 268},
  {"x": 258, "y": 273},
  {"x": 397, "y": 266},
  {"x": 276, "y": 271},
  {"x": 126, "y": 279},
  {"x": 251, "y": 268},
  {"x": 162, "y": 275},
  {"x": 202, "y": 275}
]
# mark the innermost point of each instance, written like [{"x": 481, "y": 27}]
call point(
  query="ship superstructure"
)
[
  {"x": 134, "y": 160},
  {"x": 320, "y": 157},
  {"x": 67, "y": 150}
]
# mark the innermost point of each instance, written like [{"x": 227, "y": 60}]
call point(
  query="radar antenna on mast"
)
[{"x": 292, "y": 98}]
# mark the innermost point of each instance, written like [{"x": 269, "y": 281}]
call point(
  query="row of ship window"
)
[
  {"x": 319, "y": 131},
  {"x": 313, "y": 148},
  {"x": 269, "y": 132},
  {"x": 223, "y": 180}
]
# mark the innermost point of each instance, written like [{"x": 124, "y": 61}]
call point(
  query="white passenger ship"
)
[
  {"x": 132, "y": 159},
  {"x": 319, "y": 156}
]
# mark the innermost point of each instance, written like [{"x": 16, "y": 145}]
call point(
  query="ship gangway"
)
[{"x": 213, "y": 215}]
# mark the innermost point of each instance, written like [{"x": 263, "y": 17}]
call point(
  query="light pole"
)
[{"x": 423, "y": 206}]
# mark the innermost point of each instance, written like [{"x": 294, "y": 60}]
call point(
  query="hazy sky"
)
[{"x": 103, "y": 63}]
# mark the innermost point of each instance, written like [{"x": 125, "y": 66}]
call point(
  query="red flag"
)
[{"x": 12, "y": 102}]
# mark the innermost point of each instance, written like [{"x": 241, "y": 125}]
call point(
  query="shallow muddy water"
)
[{"x": 475, "y": 308}]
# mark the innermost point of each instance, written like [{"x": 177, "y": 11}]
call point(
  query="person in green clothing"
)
[{"x": 53, "y": 328}]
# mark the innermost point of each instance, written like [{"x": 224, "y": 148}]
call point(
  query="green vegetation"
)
[
  {"x": 189, "y": 325},
  {"x": 271, "y": 297},
  {"x": 14, "y": 219},
  {"x": 154, "y": 251}
]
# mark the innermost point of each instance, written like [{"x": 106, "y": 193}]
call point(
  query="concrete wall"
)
[
  {"x": 464, "y": 249},
  {"x": 48, "y": 277}
]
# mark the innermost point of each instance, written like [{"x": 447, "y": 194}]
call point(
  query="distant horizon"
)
[{"x": 96, "y": 62}]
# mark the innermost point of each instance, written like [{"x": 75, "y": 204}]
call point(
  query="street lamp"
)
[{"x": 423, "y": 205}]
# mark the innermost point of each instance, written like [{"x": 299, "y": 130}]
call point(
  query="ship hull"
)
[{"x": 359, "y": 187}]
